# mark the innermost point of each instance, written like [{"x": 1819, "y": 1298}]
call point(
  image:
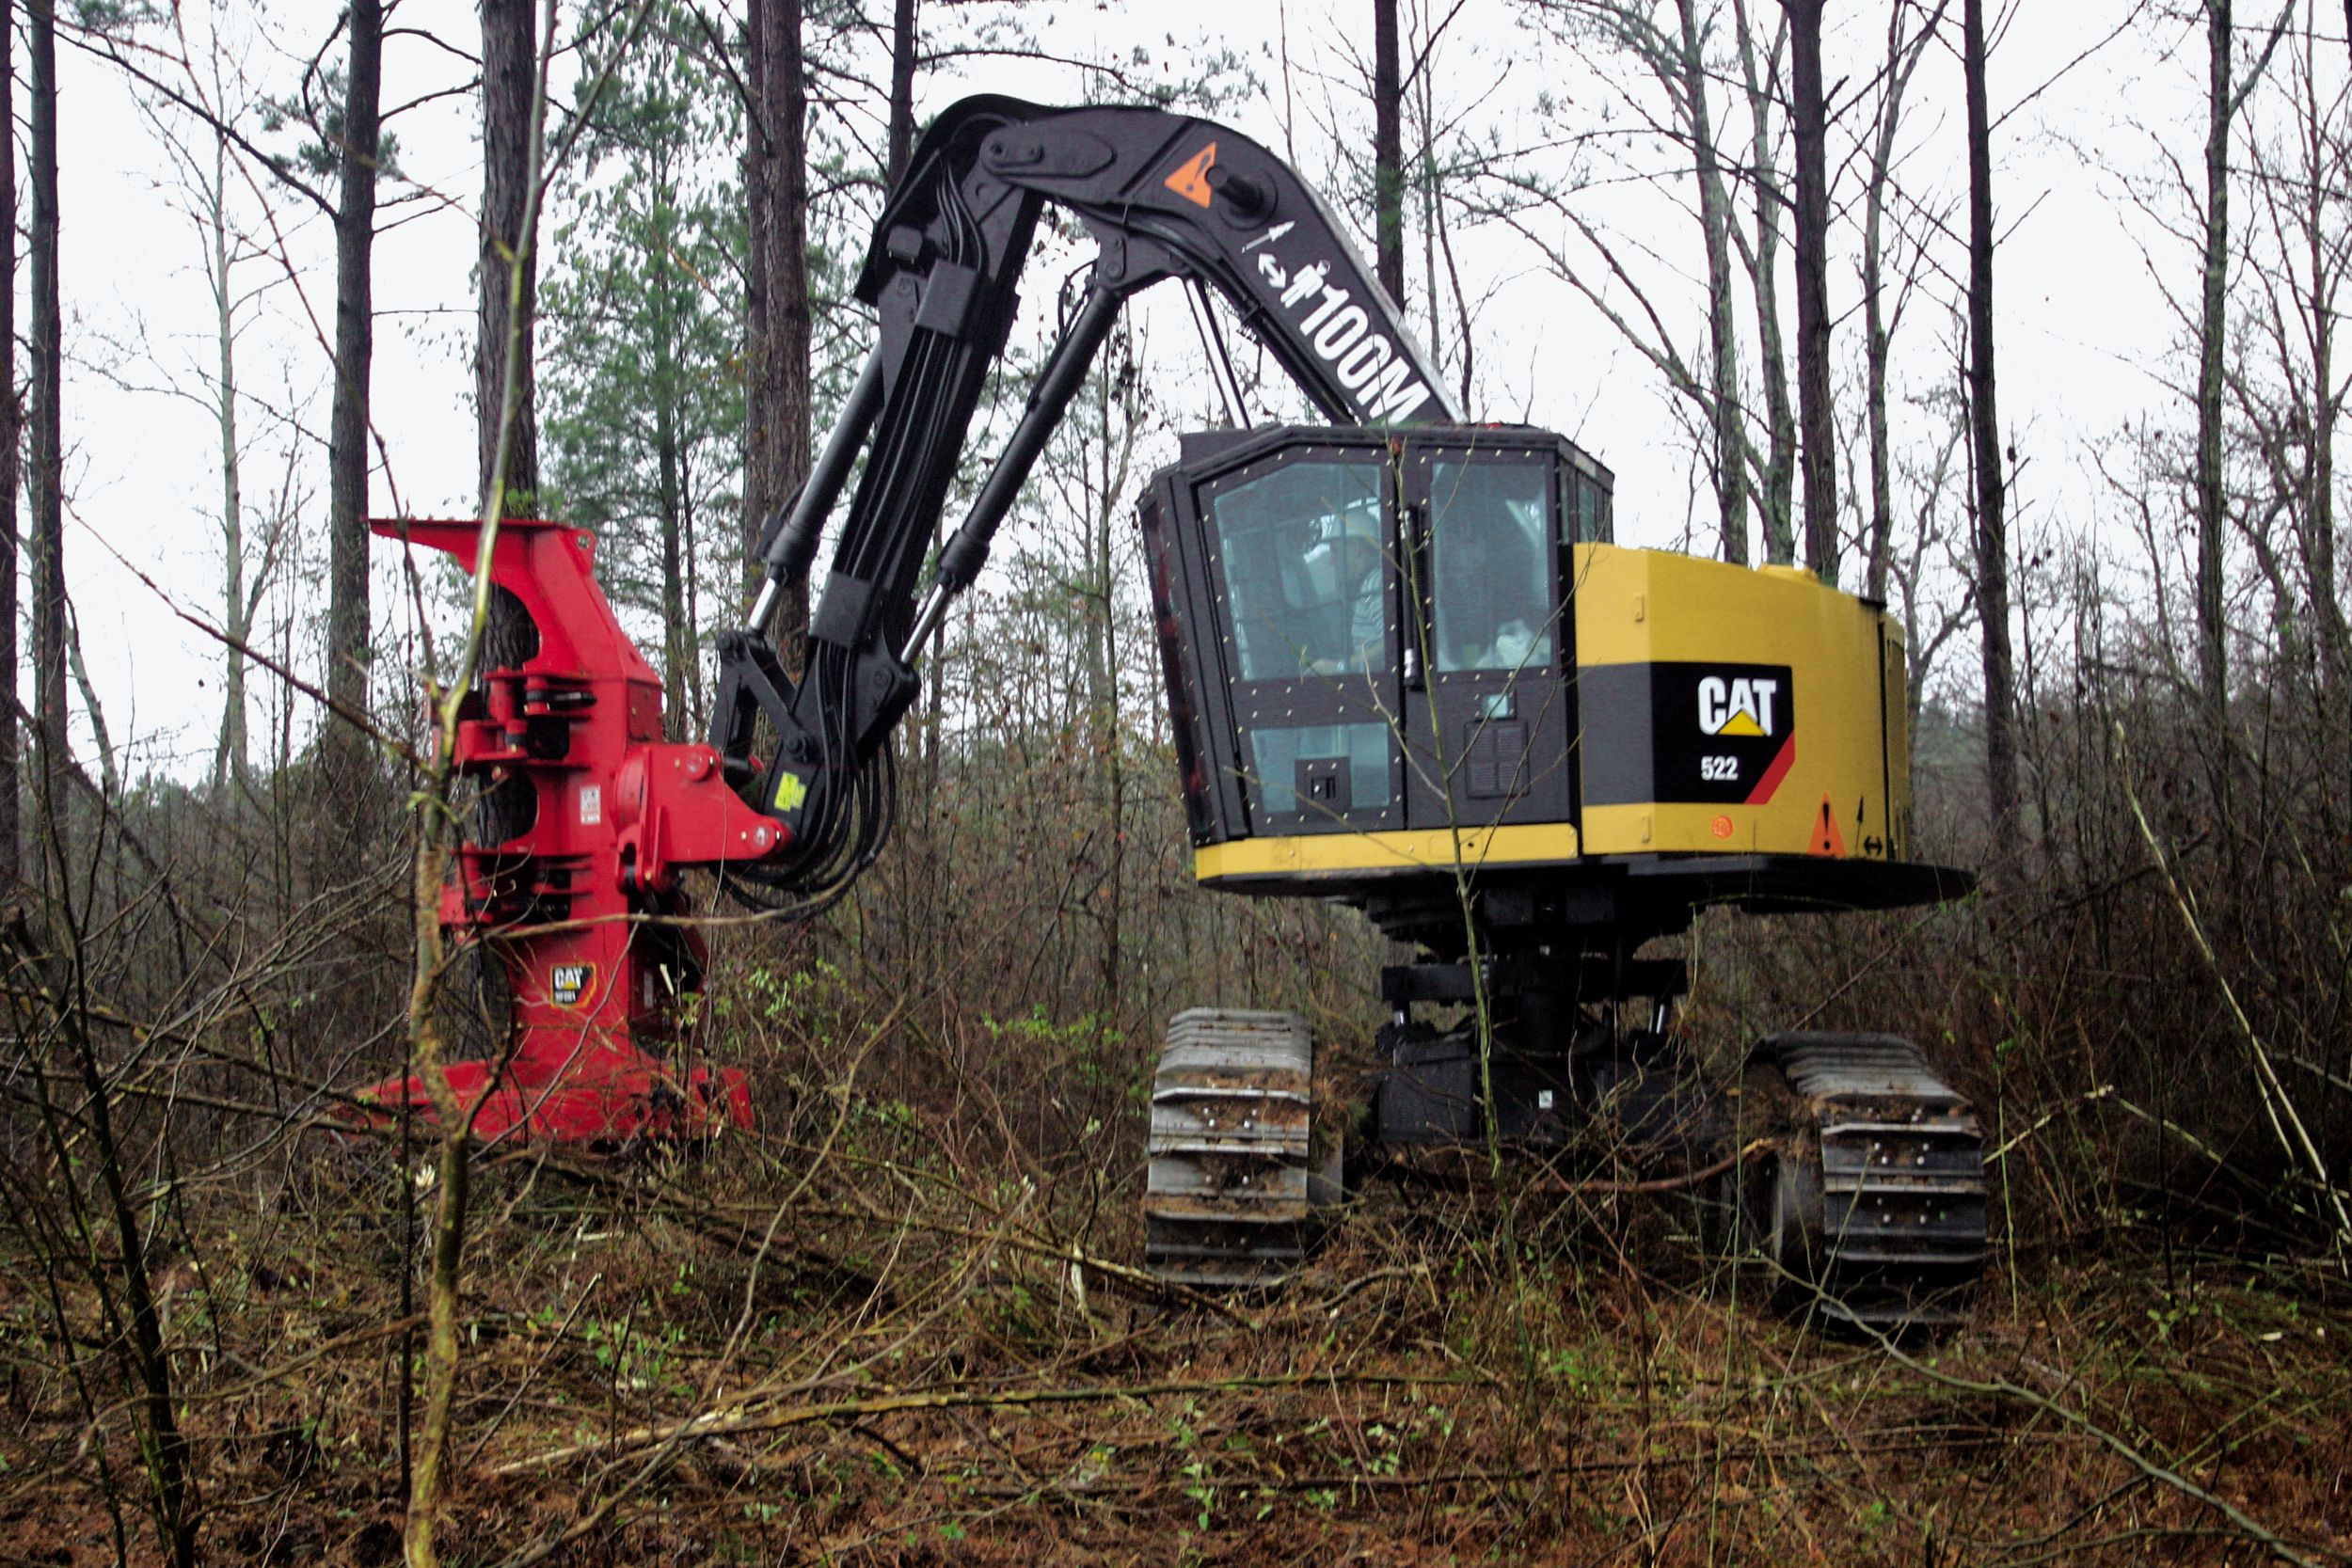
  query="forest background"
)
[{"x": 1771, "y": 264}]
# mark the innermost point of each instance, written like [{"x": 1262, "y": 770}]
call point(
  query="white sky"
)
[{"x": 2083, "y": 331}]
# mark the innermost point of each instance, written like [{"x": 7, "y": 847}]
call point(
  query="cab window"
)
[
  {"x": 1584, "y": 510},
  {"x": 1488, "y": 526},
  {"x": 1301, "y": 548}
]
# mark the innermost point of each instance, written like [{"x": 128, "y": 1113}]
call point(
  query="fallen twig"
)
[
  {"x": 1756, "y": 1148},
  {"x": 2002, "y": 1388},
  {"x": 719, "y": 1423}
]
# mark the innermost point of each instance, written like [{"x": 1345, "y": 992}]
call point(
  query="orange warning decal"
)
[
  {"x": 1191, "y": 181},
  {"x": 1827, "y": 840}
]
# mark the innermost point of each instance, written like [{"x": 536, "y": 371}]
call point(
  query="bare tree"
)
[
  {"x": 1761, "y": 79},
  {"x": 2225, "y": 96},
  {"x": 229, "y": 761},
  {"x": 1808, "y": 115},
  {"x": 11, "y": 436},
  {"x": 1984, "y": 439},
  {"x": 1903, "y": 52},
  {"x": 2291, "y": 414},
  {"x": 245, "y": 573},
  {"x": 1677, "y": 62},
  {"x": 1927, "y": 560},
  {"x": 345, "y": 133},
  {"x": 1725, "y": 416}
]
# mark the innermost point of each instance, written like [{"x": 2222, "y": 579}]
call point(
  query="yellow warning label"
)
[{"x": 791, "y": 789}]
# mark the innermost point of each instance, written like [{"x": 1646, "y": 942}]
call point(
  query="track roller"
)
[{"x": 1874, "y": 1204}]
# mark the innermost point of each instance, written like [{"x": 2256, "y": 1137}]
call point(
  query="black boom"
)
[{"x": 1164, "y": 196}]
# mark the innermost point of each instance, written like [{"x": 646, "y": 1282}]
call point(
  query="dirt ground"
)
[{"x": 659, "y": 1368}]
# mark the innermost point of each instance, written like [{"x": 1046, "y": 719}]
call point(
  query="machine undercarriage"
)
[{"x": 1838, "y": 1165}]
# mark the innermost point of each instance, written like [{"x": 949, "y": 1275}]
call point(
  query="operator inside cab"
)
[
  {"x": 1488, "y": 558},
  {"x": 1310, "y": 555}
]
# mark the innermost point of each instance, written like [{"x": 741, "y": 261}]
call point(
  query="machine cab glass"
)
[{"x": 1367, "y": 630}]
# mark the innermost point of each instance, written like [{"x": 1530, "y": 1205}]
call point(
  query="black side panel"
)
[
  {"x": 1202, "y": 769},
  {"x": 1613, "y": 701},
  {"x": 1711, "y": 733}
]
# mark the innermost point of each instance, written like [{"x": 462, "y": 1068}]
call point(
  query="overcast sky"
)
[{"x": 2084, "y": 332}]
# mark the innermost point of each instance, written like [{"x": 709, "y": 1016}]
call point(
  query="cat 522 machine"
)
[{"x": 1407, "y": 669}]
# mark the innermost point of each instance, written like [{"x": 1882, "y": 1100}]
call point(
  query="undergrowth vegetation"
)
[
  {"x": 904, "y": 1321},
  {"x": 247, "y": 1318}
]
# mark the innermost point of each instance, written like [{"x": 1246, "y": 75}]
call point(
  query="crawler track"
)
[
  {"x": 1875, "y": 1208},
  {"x": 1226, "y": 1199}
]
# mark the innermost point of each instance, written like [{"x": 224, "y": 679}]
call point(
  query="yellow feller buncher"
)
[{"x": 1408, "y": 668}]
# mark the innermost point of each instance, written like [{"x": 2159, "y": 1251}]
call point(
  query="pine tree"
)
[{"x": 641, "y": 358}]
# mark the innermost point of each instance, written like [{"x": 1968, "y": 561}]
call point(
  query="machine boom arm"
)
[{"x": 1163, "y": 196}]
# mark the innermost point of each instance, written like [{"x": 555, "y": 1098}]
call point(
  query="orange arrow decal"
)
[{"x": 1191, "y": 181}]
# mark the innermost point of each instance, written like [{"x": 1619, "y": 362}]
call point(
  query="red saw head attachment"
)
[{"x": 580, "y": 909}]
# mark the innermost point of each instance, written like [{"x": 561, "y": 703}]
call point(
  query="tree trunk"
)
[
  {"x": 1108, "y": 490},
  {"x": 1780, "y": 465},
  {"x": 228, "y": 751},
  {"x": 2212, "y": 504},
  {"x": 2319, "y": 522},
  {"x": 1724, "y": 413},
  {"x": 1985, "y": 436},
  {"x": 667, "y": 395},
  {"x": 1874, "y": 329},
  {"x": 776, "y": 283},
  {"x": 1876, "y": 341},
  {"x": 12, "y": 433},
  {"x": 510, "y": 41},
  {"x": 109, "y": 775},
  {"x": 1902, "y": 58},
  {"x": 902, "y": 67},
  {"x": 1808, "y": 117},
  {"x": 343, "y": 748},
  {"x": 508, "y": 267},
  {"x": 1387, "y": 150},
  {"x": 48, "y": 498},
  {"x": 678, "y": 632}
]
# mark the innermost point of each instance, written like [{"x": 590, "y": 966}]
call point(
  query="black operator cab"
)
[{"x": 1368, "y": 646}]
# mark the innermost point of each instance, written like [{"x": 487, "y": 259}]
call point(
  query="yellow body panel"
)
[
  {"x": 1308, "y": 854},
  {"x": 1845, "y": 791},
  {"x": 1641, "y": 606}
]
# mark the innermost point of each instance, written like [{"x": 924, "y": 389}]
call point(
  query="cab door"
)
[
  {"x": 1487, "y": 704},
  {"x": 1303, "y": 565}
]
